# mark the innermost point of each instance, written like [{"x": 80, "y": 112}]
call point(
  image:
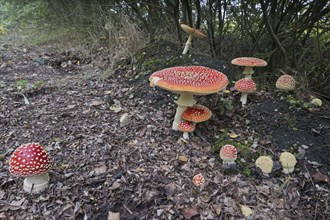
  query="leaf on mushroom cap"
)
[
  {"x": 228, "y": 152},
  {"x": 29, "y": 160},
  {"x": 195, "y": 80},
  {"x": 186, "y": 126},
  {"x": 195, "y": 32},
  {"x": 249, "y": 61},
  {"x": 245, "y": 85},
  {"x": 286, "y": 83},
  {"x": 197, "y": 113}
]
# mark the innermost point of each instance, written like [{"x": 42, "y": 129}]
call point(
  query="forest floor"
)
[{"x": 114, "y": 151}]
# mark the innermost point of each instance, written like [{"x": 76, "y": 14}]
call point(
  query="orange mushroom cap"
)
[
  {"x": 195, "y": 32},
  {"x": 286, "y": 83},
  {"x": 195, "y": 80},
  {"x": 249, "y": 61},
  {"x": 245, "y": 85},
  {"x": 197, "y": 113}
]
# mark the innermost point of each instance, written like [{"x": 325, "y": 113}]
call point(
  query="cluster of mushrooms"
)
[{"x": 33, "y": 162}]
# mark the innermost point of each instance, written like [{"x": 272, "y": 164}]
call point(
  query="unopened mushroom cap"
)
[
  {"x": 195, "y": 80},
  {"x": 317, "y": 102},
  {"x": 29, "y": 160},
  {"x": 228, "y": 153},
  {"x": 198, "y": 179},
  {"x": 286, "y": 83},
  {"x": 186, "y": 126},
  {"x": 195, "y": 32},
  {"x": 265, "y": 163},
  {"x": 288, "y": 161},
  {"x": 197, "y": 113},
  {"x": 249, "y": 61},
  {"x": 245, "y": 85}
]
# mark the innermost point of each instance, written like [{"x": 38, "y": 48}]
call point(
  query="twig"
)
[
  {"x": 309, "y": 175},
  {"x": 130, "y": 212}
]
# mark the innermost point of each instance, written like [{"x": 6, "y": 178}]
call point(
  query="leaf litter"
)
[{"x": 115, "y": 156}]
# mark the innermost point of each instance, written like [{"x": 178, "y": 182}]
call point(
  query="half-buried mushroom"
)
[
  {"x": 265, "y": 163},
  {"x": 228, "y": 154},
  {"x": 188, "y": 81},
  {"x": 285, "y": 83},
  {"x": 288, "y": 162},
  {"x": 186, "y": 127}
]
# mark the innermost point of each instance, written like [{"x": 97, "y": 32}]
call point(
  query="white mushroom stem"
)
[
  {"x": 183, "y": 102},
  {"x": 36, "y": 183},
  {"x": 185, "y": 135},
  {"x": 248, "y": 71},
  {"x": 243, "y": 98},
  {"x": 188, "y": 43},
  {"x": 177, "y": 117}
]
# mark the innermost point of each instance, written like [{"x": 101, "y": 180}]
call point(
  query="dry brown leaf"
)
[
  {"x": 113, "y": 215},
  {"x": 96, "y": 103},
  {"x": 188, "y": 213},
  {"x": 319, "y": 177},
  {"x": 170, "y": 189},
  {"x": 183, "y": 158},
  {"x": 217, "y": 208},
  {"x": 114, "y": 186},
  {"x": 100, "y": 169},
  {"x": 2, "y": 194}
]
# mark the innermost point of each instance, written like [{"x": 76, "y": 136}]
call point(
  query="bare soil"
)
[{"x": 104, "y": 165}]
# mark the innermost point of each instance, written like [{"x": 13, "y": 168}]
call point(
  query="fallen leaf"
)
[
  {"x": 183, "y": 158},
  {"x": 113, "y": 215},
  {"x": 246, "y": 210},
  {"x": 2, "y": 194},
  {"x": 70, "y": 107},
  {"x": 96, "y": 103},
  {"x": 188, "y": 213},
  {"x": 114, "y": 186},
  {"x": 319, "y": 177},
  {"x": 233, "y": 135},
  {"x": 100, "y": 169},
  {"x": 170, "y": 189},
  {"x": 217, "y": 208}
]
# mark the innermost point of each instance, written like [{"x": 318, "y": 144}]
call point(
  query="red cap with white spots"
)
[
  {"x": 197, "y": 113},
  {"x": 195, "y": 80},
  {"x": 245, "y": 85},
  {"x": 29, "y": 160},
  {"x": 186, "y": 126},
  {"x": 228, "y": 153},
  {"x": 249, "y": 61},
  {"x": 198, "y": 180}
]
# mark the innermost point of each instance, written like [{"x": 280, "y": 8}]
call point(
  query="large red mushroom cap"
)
[
  {"x": 245, "y": 85},
  {"x": 249, "y": 61},
  {"x": 286, "y": 83},
  {"x": 195, "y": 80},
  {"x": 197, "y": 113},
  {"x": 29, "y": 160}
]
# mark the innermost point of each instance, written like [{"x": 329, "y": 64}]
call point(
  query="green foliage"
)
[
  {"x": 226, "y": 105},
  {"x": 23, "y": 87}
]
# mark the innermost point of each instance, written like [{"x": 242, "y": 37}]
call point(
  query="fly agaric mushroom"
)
[
  {"x": 288, "y": 161},
  {"x": 245, "y": 86},
  {"x": 228, "y": 154},
  {"x": 198, "y": 180},
  {"x": 285, "y": 83},
  {"x": 186, "y": 127},
  {"x": 248, "y": 63},
  {"x": 188, "y": 81},
  {"x": 33, "y": 162},
  {"x": 192, "y": 33},
  {"x": 265, "y": 163},
  {"x": 197, "y": 114}
]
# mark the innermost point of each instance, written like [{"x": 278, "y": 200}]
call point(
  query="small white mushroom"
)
[
  {"x": 288, "y": 162},
  {"x": 265, "y": 163}
]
